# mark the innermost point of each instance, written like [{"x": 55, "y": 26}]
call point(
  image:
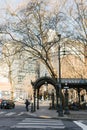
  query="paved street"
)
[
  {"x": 37, "y": 123},
  {"x": 42, "y": 119}
]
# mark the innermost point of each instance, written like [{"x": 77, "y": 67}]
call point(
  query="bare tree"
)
[
  {"x": 73, "y": 26},
  {"x": 30, "y": 28},
  {"x": 9, "y": 56}
]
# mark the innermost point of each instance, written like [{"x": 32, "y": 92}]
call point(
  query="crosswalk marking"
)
[
  {"x": 79, "y": 123},
  {"x": 21, "y": 113},
  {"x": 39, "y": 119},
  {"x": 30, "y": 126},
  {"x": 2, "y": 112},
  {"x": 10, "y": 113},
  {"x": 40, "y": 123}
]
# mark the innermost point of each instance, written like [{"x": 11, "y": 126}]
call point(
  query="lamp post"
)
[{"x": 59, "y": 82}]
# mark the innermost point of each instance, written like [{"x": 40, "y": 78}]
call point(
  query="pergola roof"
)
[{"x": 71, "y": 82}]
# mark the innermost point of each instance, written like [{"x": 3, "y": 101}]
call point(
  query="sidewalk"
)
[{"x": 44, "y": 112}]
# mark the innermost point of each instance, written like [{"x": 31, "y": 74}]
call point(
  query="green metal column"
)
[
  {"x": 37, "y": 98},
  {"x": 34, "y": 99},
  {"x": 66, "y": 102}
]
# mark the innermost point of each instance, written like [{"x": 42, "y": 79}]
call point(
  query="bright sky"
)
[
  {"x": 15, "y": 3},
  {"x": 11, "y": 4},
  {"x": 3, "y": 79}
]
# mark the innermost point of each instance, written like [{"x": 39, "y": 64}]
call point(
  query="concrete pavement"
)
[{"x": 45, "y": 112}]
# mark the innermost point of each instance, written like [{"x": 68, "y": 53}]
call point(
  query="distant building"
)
[{"x": 5, "y": 89}]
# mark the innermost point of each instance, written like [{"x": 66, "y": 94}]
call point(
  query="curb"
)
[{"x": 70, "y": 117}]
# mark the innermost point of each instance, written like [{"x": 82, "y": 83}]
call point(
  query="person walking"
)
[{"x": 27, "y": 103}]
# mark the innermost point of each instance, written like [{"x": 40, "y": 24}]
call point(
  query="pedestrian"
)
[{"x": 27, "y": 103}]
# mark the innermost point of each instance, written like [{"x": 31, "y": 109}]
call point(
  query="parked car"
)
[
  {"x": 6, "y": 104},
  {"x": 0, "y": 102}
]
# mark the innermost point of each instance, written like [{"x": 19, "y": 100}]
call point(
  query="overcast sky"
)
[
  {"x": 12, "y": 3},
  {"x": 15, "y": 3}
]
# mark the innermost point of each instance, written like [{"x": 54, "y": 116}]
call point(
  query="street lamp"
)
[{"x": 59, "y": 82}]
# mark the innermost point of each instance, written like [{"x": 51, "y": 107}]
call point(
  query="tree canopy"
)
[{"x": 38, "y": 26}]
